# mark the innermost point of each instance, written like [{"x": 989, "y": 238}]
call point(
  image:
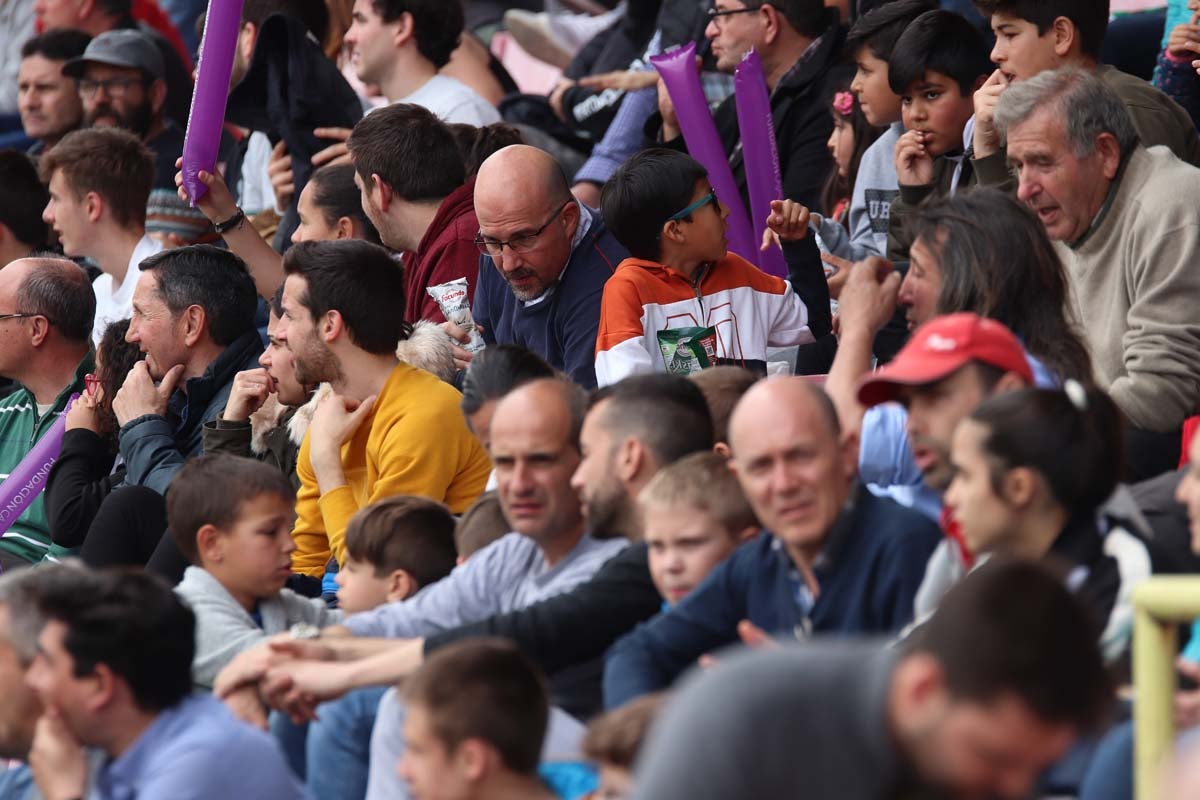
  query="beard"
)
[
  {"x": 136, "y": 120},
  {"x": 607, "y": 511},
  {"x": 314, "y": 363}
]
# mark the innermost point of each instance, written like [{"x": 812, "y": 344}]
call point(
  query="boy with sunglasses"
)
[{"x": 682, "y": 301}]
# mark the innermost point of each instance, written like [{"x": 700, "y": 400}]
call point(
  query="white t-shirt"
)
[
  {"x": 453, "y": 101},
  {"x": 113, "y": 305}
]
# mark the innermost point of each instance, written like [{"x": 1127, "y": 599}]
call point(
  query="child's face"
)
[
  {"x": 253, "y": 557},
  {"x": 879, "y": 105},
  {"x": 685, "y": 544},
  {"x": 1019, "y": 52},
  {"x": 358, "y": 587},
  {"x": 704, "y": 237},
  {"x": 841, "y": 144},
  {"x": 937, "y": 107}
]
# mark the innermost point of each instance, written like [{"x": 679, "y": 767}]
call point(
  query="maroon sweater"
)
[{"x": 446, "y": 252}]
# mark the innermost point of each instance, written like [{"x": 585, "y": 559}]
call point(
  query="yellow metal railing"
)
[{"x": 1160, "y": 605}]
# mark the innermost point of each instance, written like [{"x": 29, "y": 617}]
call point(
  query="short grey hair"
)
[
  {"x": 20, "y": 591},
  {"x": 1087, "y": 106}
]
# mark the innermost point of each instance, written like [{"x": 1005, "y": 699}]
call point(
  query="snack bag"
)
[
  {"x": 452, "y": 300},
  {"x": 688, "y": 350}
]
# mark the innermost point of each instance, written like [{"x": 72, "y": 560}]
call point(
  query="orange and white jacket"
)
[{"x": 749, "y": 309}]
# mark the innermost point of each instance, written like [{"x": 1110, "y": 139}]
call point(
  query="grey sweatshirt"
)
[
  {"x": 224, "y": 629},
  {"x": 507, "y": 575},
  {"x": 875, "y": 187}
]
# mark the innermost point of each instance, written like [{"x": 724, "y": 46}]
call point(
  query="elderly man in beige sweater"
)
[{"x": 1125, "y": 221}]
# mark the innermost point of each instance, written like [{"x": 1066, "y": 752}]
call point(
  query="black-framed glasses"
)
[
  {"x": 113, "y": 87},
  {"x": 716, "y": 15},
  {"x": 526, "y": 243},
  {"x": 711, "y": 197}
]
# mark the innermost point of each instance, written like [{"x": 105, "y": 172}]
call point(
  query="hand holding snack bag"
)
[{"x": 453, "y": 301}]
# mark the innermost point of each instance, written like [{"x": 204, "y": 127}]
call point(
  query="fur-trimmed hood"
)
[{"x": 427, "y": 348}]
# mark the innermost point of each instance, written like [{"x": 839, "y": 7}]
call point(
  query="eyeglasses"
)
[
  {"x": 526, "y": 243},
  {"x": 113, "y": 87},
  {"x": 717, "y": 17},
  {"x": 711, "y": 197},
  {"x": 17, "y": 316}
]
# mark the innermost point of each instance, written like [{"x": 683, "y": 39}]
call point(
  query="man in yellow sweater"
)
[{"x": 385, "y": 428}]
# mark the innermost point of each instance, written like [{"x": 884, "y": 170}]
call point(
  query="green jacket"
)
[{"x": 20, "y": 429}]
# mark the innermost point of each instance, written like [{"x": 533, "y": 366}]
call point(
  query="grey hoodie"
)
[{"x": 875, "y": 187}]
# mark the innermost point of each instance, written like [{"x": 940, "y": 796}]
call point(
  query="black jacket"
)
[{"x": 78, "y": 483}]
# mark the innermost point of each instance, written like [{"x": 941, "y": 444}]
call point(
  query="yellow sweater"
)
[{"x": 415, "y": 442}]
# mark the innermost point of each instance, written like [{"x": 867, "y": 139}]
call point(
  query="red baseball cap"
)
[{"x": 940, "y": 347}]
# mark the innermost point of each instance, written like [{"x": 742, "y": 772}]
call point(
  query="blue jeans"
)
[
  {"x": 291, "y": 738},
  {"x": 339, "y": 745}
]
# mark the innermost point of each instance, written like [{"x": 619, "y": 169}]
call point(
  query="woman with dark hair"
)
[
  {"x": 984, "y": 251},
  {"x": 1031, "y": 470},
  {"x": 330, "y": 207}
]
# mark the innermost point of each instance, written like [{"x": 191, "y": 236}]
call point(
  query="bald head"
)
[
  {"x": 777, "y": 398},
  {"x": 553, "y": 406},
  {"x": 520, "y": 171}
]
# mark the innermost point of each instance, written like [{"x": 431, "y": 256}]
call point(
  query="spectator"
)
[
  {"x": 232, "y": 519},
  {"x": 492, "y": 374},
  {"x": 394, "y": 549},
  {"x": 114, "y": 658},
  {"x": 480, "y": 525},
  {"x": 1031, "y": 471},
  {"x": 385, "y": 428},
  {"x": 117, "y": 15},
  {"x": 48, "y": 100},
  {"x": 796, "y": 579},
  {"x": 545, "y": 260},
  {"x": 477, "y": 716},
  {"x": 121, "y": 84},
  {"x": 99, "y": 182},
  {"x": 477, "y": 144},
  {"x": 800, "y": 45},
  {"x": 47, "y": 307},
  {"x": 1127, "y": 242},
  {"x": 678, "y": 260},
  {"x": 16, "y": 26},
  {"x": 23, "y": 232},
  {"x": 1033, "y": 37},
  {"x": 935, "y": 68},
  {"x": 332, "y": 208},
  {"x": 851, "y": 137},
  {"x": 615, "y": 740},
  {"x": 1010, "y": 657},
  {"x": 86, "y": 469},
  {"x": 723, "y": 387},
  {"x": 402, "y": 55},
  {"x": 694, "y": 515},
  {"x": 1174, "y": 73},
  {"x": 416, "y": 193}
]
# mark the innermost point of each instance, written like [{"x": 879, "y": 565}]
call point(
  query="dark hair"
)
[
  {"x": 111, "y": 162},
  {"x": 212, "y": 278},
  {"x": 616, "y": 737},
  {"x": 1078, "y": 452},
  {"x": 336, "y": 194},
  {"x": 313, "y": 13},
  {"x": 1012, "y": 626},
  {"x": 476, "y": 144},
  {"x": 60, "y": 291},
  {"x": 61, "y": 44},
  {"x": 131, "y": 622},
  {"x": 666, "y": 413},
  {"x": 939, "y": 41},
  {"x": 722, "y": 388},
  {"x": 414, "y": 534},
  {"x": 276, "y": 302},
  {"x": 642, "y": 195},
  {"x": 410, "y": 149},
  {"x": 480, "y": 525},
  {"x": 22, "y": 199},
  {"x": 360, "y": 281},
  {"x": 437, "y": 24},
  {"x": 998, "y": 263},
  {"x": 809, "y": 18},
  {"x": 498, "y": 370},
  {"x": 1090, "y": 17},
  {"x": 881, "y": 27},
  {"x": 484, "y": 689},
  {"x": 211, "y": 490},
  {"x": 117, "y": 9},
  {"x": 119, "y": 356},
  {"x": 838, "y": 188}
]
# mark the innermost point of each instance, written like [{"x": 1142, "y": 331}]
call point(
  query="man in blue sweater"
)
[
  {"x": 546, "y": 258},
  {"x": 833, "y": 558}
]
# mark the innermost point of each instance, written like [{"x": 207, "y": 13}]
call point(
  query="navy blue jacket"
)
[
  {"x": 868, "y": 572},
  {"x": 562, "y": 328}
]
